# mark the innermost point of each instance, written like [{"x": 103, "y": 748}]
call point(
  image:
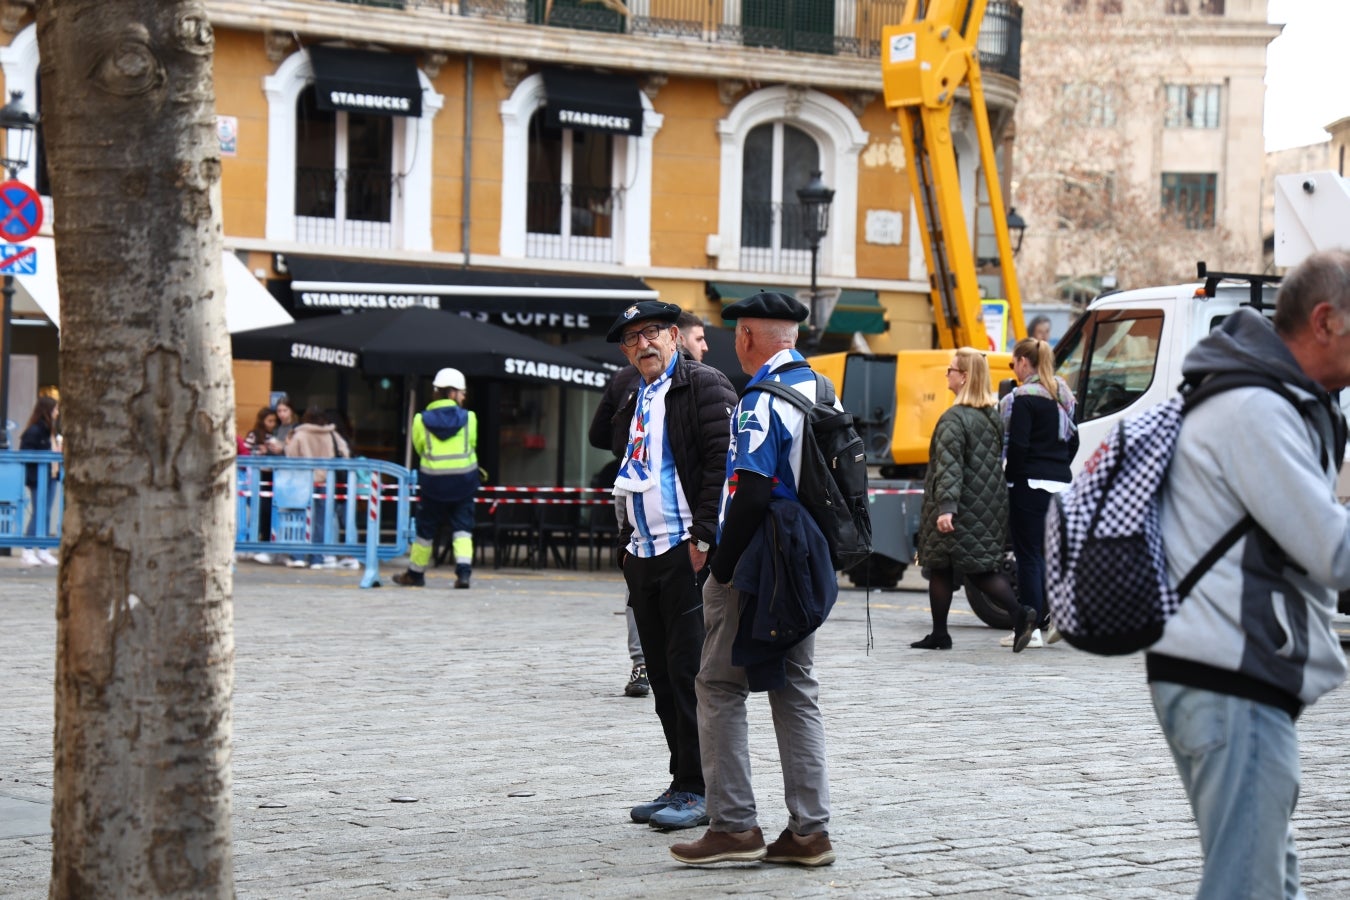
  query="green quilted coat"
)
[{"x": 965, "y": 477}]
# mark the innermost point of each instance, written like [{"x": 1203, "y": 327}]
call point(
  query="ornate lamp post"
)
[
  {"x": 1017, "y": 228},
  {"x": 815, "y": 199},
  {"x": 17, "y": 126}
]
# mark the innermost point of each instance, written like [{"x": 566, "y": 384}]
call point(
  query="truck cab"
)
[{"x": 1124, "y": 354}]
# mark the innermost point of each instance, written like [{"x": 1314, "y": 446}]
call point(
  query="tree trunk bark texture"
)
[{"x": 145, "y": 648}]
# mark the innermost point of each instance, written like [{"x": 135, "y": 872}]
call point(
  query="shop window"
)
[
  {"x": 778, "y": 159},
  {"x": 1192, "y": 106},
  {"x": 571, "y": 200},
  {"x": 1189, "y": 199},
  {"x": 345, "y": 184}
]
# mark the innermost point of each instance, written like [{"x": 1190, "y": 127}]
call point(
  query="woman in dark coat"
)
[
  {"x": 1042, "y": 441},
  {"x": 39, "y": 435},
  {"x": 965, "y": 503}
]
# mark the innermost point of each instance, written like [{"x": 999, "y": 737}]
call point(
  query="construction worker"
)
[{"x": 445, "y": 436}]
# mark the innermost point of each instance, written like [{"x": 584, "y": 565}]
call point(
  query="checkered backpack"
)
[{"x": 1106, "y": 572}]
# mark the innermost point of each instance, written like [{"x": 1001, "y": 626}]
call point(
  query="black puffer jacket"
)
[
  {"x": 698, "y": 415},
  {"x": 965, "y": 478}
]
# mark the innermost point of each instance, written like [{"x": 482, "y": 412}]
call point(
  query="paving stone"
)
[{"x": 962, "y": 773}]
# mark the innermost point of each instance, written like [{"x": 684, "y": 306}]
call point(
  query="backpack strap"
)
[{"x": 778, "y": 389}]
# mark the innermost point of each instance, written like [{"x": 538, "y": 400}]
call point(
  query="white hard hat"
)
[{"x": 449, "y": 378}]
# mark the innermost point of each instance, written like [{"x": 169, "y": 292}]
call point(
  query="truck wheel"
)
[
  {"x": 877, "y": 571},
  {"x": 989, "y": 612}
]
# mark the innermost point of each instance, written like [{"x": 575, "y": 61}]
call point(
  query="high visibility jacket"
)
[{"x": 445, "y": 436}]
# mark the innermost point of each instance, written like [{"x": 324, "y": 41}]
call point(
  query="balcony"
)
[
  {"x": 572, "y": 222},
  {"x": 346, "y": 207},
  {"x": 842, "y": 28}
]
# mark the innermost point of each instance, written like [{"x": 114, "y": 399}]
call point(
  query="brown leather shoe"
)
[
  {"x": 721, "y": 846},
  {"x": 801, "y": 849}
]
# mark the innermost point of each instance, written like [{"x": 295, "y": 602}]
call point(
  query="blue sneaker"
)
[
  {"x": 685, "y": 810},
  {"x": 643, "y": 811}
]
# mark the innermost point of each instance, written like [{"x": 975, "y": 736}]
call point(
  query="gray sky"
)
[{"x": 1307, "y": 71}]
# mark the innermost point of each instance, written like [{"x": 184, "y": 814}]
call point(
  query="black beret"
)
[
  {"x": 767, "y": 305},
  {"x": 645, "y": 309}
]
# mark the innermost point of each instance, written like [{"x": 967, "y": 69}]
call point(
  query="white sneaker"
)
[
  {"x": 30, "y": 558},
  {"x": 1035, "y": 640},
  {"x": 263, "y": 558},
  {"x": 1007, "y": 641},
  {"x": 349, "y": 562},
  {"x": 297, "y": 564},
  {"x": 46, "y": 558},
  {"x": 330, "y": 562}
]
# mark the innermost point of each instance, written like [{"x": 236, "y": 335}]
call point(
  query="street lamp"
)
[
  {"x": 17, "y": 126},
  {"x": 1017, "y": 228},
  {"x": 815, "y": 199}
]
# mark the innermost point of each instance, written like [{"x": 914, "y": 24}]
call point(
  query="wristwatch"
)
[{"x": 702, "y": 546}]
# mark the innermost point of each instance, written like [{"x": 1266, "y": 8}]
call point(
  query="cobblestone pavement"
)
[{"x": 969, "y": 773}]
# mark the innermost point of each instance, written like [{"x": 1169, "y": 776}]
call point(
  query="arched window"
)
[
  {"x": 345, "y": 181},
  {"x": 772, "y": 140},
  {"x": 346, "y": 177},
  {"x": 573, "y": 193},
  {"x": 778, "y": 159},
  {"x": 572, "y": 196}
]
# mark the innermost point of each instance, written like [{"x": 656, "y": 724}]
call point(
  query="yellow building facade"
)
[{"x": 542, "y": 165}]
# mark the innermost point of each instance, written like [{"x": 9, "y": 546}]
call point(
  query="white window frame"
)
[
  {"x": 840, "y": 139},
  {"x": 632, "y": 171},
  {"x": 413, "y": 153}
]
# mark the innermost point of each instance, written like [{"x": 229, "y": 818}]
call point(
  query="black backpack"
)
[{"x": 833, "y": 484}]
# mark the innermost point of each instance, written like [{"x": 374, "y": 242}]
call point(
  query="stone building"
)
[{"x": 1139, "y": 145}]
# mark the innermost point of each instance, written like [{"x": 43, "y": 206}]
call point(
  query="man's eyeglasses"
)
[{"x": 651, "y": 332}]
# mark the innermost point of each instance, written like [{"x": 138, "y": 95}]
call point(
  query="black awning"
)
[
  {"x": 590, "y": 101},
  {"x": 526, "y": 301},
  {"x": 366, "y": 81}
]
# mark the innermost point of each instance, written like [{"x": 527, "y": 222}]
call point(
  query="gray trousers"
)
[
  {"x": 723, "y": 730},
  {"x": 634, "y": 642}
]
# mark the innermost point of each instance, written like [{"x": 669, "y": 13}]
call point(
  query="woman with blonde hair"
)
[
  {"x": 1042, "y": 440},
  {"x": 965, "y": 503}
]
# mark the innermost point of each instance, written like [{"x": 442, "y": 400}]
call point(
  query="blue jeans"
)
[
  {"x": 1238, "y": 760},
  {"x": 30, "y": 530}
]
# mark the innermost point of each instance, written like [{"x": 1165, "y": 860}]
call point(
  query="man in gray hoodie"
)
[{"x": 1252, "y": 644}]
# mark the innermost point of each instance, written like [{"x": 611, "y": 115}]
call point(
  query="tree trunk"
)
[{"x": 145, "y": 649}]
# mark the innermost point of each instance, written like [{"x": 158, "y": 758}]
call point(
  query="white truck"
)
[{"x": 1124, "y": 353}]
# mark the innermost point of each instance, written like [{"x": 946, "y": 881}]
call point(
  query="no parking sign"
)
[{"x": 20, "y": 211}]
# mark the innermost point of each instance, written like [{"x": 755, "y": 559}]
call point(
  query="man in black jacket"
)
[{"x": 668, "y": 483}]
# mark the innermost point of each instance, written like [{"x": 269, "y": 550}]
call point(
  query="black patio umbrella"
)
[
  {"x": 721, "y": 354},
  {"x": 419, "y": 341}
]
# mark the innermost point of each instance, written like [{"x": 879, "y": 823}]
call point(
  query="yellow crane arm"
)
[{"x": 925, "y": 60}]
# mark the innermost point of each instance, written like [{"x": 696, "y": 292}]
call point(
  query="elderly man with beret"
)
[
  {"x": 668, "y": 484},
  {"x": 763, "y": 464}
]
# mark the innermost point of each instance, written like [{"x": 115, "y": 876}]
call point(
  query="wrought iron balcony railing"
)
[{"x": 849, "y": 28}]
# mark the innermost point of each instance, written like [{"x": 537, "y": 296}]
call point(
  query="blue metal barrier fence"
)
[{"x": 343, "y": 501}]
